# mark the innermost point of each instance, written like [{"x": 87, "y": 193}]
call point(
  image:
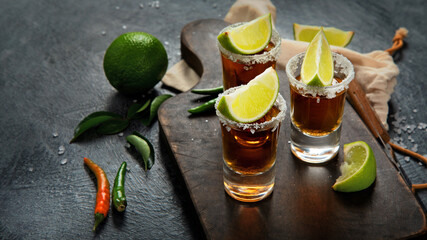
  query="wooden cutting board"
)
[{"x": 303, "y": 204}]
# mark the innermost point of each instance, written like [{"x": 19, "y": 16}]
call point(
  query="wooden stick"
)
[{"x": 360, "y": 102}]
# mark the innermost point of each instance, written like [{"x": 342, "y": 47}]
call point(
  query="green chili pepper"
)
[
  {"x": 209, "y": 105},
  {"x": 119, "y": 197},
  {"x": 144, "y": 147},
  {"x": 208, "y": 91}
]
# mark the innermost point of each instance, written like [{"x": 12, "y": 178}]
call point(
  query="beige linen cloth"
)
[{"x": 375, "y": 71}]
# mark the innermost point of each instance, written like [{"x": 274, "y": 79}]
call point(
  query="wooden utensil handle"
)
[{"x": 360, "y": 102}]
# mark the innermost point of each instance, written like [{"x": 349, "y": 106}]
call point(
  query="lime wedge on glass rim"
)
[
  {"x": 249, "y": 38},
  {"x": 335, "y": 36},
  {"x": 252, "y": 101},
  {"x": 318, "y": 66},
  {"x": 358, "y": 171}
]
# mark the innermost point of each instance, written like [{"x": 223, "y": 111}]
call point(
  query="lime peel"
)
[{"x": 358, "y": 168}]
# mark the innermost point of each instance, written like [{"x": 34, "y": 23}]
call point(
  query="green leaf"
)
[
  {"x": 136, "y": 108},
  {"x": 144, "y": 147},
  {"x": 155, "y": 104},
  {"x": 91, "y": 121},
  {"x": 113, "y": 126}
]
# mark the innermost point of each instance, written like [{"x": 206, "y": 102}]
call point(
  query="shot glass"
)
[
  {"x": 239, "y": 69},
  {"x": 249, "y": 153},
  {"x": 316, "y": 112}
]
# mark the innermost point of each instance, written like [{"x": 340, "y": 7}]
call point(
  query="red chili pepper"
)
[{"x": 103, "y": 195}]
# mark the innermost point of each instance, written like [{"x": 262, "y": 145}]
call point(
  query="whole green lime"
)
[{"x": 135, "y": 62}]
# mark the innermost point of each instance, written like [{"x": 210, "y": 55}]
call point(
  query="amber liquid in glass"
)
[
  {"x": 237, "y": 73},
  {"x": 316, "y": 116},
  {"x": 250, "y": 153}
]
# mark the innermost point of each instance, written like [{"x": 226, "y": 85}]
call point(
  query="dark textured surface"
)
[
  {"x": 302, "y": 196},
  {"x": 51, "y": 76}
]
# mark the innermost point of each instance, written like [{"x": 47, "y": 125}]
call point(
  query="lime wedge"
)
[
  {"x": 335, "y": 36},
  {"x": 358, "y": 169},
  {"x": 252, "y": 101},
  {"x": 318, "y": 66},
  {"x": 248, "y": 38}
]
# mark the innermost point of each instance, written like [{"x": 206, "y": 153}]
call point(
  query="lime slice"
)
[
  {"x": 252, "y": 101},
  {"x": 358, "y": 169},
  {"x": 248, "y": 38},
  {"x": 335, "y": 36},
  {"x": 318, "y": 66}
]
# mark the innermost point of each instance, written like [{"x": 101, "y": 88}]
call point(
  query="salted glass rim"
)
[
  {"x": 280, "y": 103},
  {"x": 341, "y": 62},
  {"x": 273, "y": 54}
]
